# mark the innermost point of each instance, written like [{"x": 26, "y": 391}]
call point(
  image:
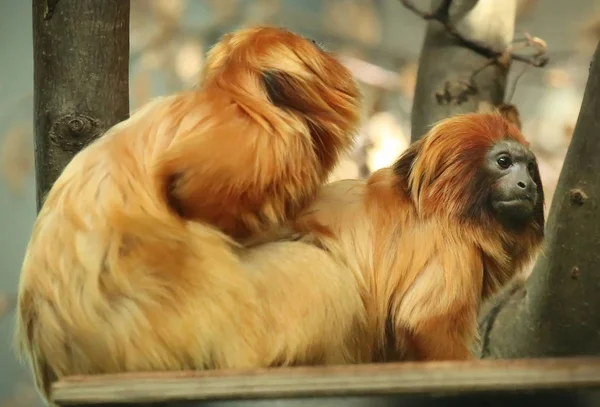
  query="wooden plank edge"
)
[{"x": 353, "y": 380}]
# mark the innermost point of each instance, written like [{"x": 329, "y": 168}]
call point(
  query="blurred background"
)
[{"x": 379, "y": 40}]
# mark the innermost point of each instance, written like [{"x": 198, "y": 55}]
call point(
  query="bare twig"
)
[
  {"x": 513, "y": 86},
  {"x": 441, "y": 15},
  {"x": 465, "y": 88}
]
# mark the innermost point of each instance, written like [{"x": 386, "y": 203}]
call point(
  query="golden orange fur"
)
[
  {"x": 133, "y": 262},
  {"x": 421, "y": 241},
  {"x": 252, "y": 147}
]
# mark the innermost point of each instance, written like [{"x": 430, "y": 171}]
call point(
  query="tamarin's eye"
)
[{"x": 504, "y": 161}]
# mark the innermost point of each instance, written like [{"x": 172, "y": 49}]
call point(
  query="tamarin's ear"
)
[
  {"x": 284, "y": 91},
  {"x": 404, "y": 165}
]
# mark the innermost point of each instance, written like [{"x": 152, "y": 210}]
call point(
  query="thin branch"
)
[
  {"x": 513, "y": 86},
  {"x": 441, "y": 15},
  {"x": 460, "y": 90}
]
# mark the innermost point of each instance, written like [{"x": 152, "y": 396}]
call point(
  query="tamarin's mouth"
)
[
  {"x": 520, "y": 199},
  {"x": 518, "y": 209},
  {"x": 516, "y": 202}
]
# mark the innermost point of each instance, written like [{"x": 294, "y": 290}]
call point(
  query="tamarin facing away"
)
[
  {"x": 252, "y": 147},
  {"x": 457, "y": 216},
  {"x": 134, "y": 262}
]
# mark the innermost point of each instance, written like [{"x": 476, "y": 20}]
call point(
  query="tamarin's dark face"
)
[
  {"x": 476, "y": 168},
  {"x": 516, "y": 189}
]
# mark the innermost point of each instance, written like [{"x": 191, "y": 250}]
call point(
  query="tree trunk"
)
[
  {"x": 556, "y": 312},
  {"x": 81, "y": 72},
  {"x": 445, "y": 85}
]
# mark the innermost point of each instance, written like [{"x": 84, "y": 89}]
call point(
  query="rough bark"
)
[
  {"x": 444, "y": 86},
  {"x": 556, "y": 312},
  {"x": 81, "y": 72}
]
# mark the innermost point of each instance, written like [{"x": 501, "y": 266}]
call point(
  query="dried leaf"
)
[
  {"x": 188, "y": 62},
  {"x": 538, "y": 43}
]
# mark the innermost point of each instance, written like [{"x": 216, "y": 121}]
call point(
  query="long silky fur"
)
[
  {"x": 421, "y": 240},
  {"x": 135, "y": 262}
]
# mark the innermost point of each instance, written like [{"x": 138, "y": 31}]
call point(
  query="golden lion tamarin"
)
[
  {"x": 134, "y": 261},
  {"x": 429, "y": 238},
  {"x": 253, "y": 146}
]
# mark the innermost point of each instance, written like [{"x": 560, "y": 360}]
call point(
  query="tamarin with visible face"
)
[
  {"x": 428, "y": 239},
  {"x": 134, "y": 262}
]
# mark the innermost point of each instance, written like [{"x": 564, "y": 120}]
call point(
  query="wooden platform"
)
[{"x": 419, "y": 384}]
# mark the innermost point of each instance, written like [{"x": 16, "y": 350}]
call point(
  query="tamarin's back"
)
[
  {"x": 137, "y": 259},
  {"x": 114, "y": 280}
]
